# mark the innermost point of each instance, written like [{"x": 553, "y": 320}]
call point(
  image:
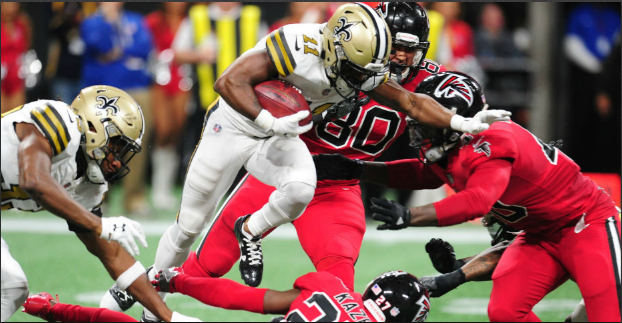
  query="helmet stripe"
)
[{"x": 382, "y": 47}]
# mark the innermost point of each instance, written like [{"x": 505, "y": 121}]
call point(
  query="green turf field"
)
[{"x": 57, "y": 262}]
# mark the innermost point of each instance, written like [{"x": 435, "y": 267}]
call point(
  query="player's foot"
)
[
  {"x": 165, "y": 280},
  {"x": 251, "y": 260},
  {"x": 39, "y": 305},
  {"x": 148, "y": 317}
]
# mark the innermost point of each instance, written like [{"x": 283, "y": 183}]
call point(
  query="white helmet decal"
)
[{"x": 454, "y": 86}]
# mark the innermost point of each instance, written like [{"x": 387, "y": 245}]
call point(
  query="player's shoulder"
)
[
  {"x": 316, "y": 280},
  {"x": 293, "y": 45},
  {"x": 496, "y": 142},
  {"x": 56, "y": 121},
  {"x": 427, "y": 68}
]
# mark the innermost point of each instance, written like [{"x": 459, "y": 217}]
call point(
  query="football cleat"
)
[
  {"x": 122, "y": 297},
  {"x": 39, "y": 305},
  {"x": 164, "y": 280},
  {"x": 149, "y": 317},
  {"x": 251, "y": 259}
]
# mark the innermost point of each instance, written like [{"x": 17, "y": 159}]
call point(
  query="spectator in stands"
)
[
  {"x": 440, "y": 49},
  {"x": 169, "y": 97},
  {"x": 491, "y": 37},
  {"x": 64, "y": 66},
  {"x": 461, "y": 41},
  {"x": 16, "y": 34},
  {"x": 217, "y": 33},
  {"x": 117, "y": 45},
  {"x": 302, "y": 13}
]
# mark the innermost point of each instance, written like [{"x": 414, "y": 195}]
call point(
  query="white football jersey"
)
[
  {"x": 296, "y": 51},
  {"x": 58, "y": 124}
]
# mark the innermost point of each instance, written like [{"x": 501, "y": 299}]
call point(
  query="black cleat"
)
[
  {"x": 122, "y": 297},
  {"x": 251, "y": 260}
]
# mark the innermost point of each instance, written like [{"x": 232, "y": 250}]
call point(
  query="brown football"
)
[{"x": 282, "y": 99}]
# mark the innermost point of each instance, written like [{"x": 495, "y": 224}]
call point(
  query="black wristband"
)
[
  {"x": 448, "y": 282},
  {"x": 459, "y": 263}
]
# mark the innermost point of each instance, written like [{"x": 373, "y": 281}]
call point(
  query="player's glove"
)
[
  {"x": 343, "y": 108},
  {"x": 480, "y": 122},
  {"x": 124, "y": 231},
  {"x": 337, "y": 167},
  {"x": 439, "y": 285},
  {"x": 286, "y": 127},
  {"x": 443, "y": 256},
  {"x": 394, "y": 215}
]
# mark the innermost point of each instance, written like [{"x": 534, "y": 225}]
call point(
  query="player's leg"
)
[
  {"x": 287, "y": 165},
  {"x": 14, "y": 284},
  {"x": 525, "y": 274},
  {"x": 128, "y": 273},
  {"x": 43, "y": 305},
  {"x": 331, "y": 231},
  {"x": 219, "y": 250},
  {"x": 592, "y": 257}
]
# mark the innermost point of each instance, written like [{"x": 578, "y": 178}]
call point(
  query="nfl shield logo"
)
[
  {"x": 217, "y": 128},
  {"x": 395, "y": 311}
]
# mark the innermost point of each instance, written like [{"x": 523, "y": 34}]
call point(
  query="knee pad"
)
[{"x": 298, "y": 195}]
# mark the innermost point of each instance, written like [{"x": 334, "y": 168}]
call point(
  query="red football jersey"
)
[
  {"x": 324, "y": 298},
  {"x": 366, "y": 132},
  {"x": 546, "y": 190}
]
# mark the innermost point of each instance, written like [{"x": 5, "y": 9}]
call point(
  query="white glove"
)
[
  {"x": 123, "y": 231},
  {"x": 480, "y": 122},
  {"x": 287, "y": 126}
]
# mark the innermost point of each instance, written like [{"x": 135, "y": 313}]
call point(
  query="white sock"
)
[{"x": 182, "y": 318}]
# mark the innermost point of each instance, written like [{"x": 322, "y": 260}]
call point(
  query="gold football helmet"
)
[
  {"x": 357, "y": 44},
  {"x": 111, "y": 122}
]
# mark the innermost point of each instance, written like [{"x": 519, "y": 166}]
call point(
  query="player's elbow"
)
[
  {"x": 223, "y": 83},
  {"x": 480, "y": 204},
  {"x": 31, "y": 182}
]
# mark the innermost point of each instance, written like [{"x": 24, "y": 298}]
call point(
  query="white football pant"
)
[{"x": 14, "y": 284}]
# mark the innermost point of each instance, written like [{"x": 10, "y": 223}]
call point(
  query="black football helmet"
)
[
  {"x": 399, "y": 296},
  {"x": 455, "y": 91},
  {"x": 409, "y": 26}
]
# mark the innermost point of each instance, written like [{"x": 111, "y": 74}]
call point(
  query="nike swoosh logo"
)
[
  {"x": 70, "y": 118},
  {"x": 296, "y": 45},
  {"x": 581, "y": 224}
]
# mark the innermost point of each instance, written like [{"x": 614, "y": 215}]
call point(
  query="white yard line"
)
[{"x": 53, "y": 225}]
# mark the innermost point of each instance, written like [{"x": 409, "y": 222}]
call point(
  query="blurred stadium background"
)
[{"x": 556, "y": 66}]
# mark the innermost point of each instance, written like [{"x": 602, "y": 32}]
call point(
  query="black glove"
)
[
  {"x": 341, "y": 109},
  {"x": 443, "y": 256},
  {"x": 439, "y": 285},
  {"x": 394, "y": 215},
  {"x": 337, "y": 166}
]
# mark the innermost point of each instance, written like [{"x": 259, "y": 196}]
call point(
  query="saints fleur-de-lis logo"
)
[
  {"x": 107, "y": 104},
  {"x": 343, "y": 28}
]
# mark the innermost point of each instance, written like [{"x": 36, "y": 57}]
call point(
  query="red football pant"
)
[
  {"x": 75, "y": 313},
  {"x": 330, "y": 231},
  {"x": 534, "y": 265}
]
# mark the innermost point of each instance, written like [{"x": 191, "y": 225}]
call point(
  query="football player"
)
[
  {"x": 60, "y": 158},
  {"x": 331, "y": 64},
  {"x": 571, "y": 227}
]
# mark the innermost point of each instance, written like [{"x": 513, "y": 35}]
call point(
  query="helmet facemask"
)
[
  {"x": 431, "y": 144},
  {"x": 404, "y": 73},
  {"x": 350, "y": 78}
]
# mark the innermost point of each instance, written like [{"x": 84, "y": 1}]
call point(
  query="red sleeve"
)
[
  {"x": 485, "y": 186},
  {"x": 222, "y": 292},
  {"x": 411, "y": 174}
]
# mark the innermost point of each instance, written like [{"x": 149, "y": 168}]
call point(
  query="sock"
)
[
  {"x": 222, "y": 292},
  {"x": 75, "y": 313}
]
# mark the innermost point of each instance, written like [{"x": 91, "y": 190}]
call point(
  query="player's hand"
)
[
  {"x": 337, "y": 167},
  {"x": 442, "y": 255},
  {"x": 124, "y": 231},
  {"x": 394, "y": 215},
  {"x": 481, "y": 121},
  {"x": 288, "y": 126}
]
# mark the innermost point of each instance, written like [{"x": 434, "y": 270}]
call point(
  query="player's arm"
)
[
  {"x": 389, "y": 174},
  {"x": 35, "y": 164},
  {"x": 485, "y": 185},
  {"x": 225, "y": 293},
  {"x": 426, "y": 110},
  {"x": 236, "y": 83},
  {"x": 235, "y": 86},
  {"x": 479, "y": 268}
]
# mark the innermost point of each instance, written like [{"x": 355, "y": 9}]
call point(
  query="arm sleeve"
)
[
  {"x": 485, "y": 186},
  {"x": 411, "y": 174},
  {"x": 222, "y": 292}
]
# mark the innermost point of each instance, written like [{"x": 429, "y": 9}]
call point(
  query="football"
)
[{"x": 282, "y": 99}]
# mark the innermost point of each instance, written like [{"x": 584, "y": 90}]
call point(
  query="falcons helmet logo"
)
[{"x": 454, "y": 86}]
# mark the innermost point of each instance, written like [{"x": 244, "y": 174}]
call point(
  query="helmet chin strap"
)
[{"x": 435, "y": 153}]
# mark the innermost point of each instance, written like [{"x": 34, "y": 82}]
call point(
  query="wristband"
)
[
  {"x": 359, "y": 170},
  {"x": 456, "y": 122},
  {"x": 265, "y": 120}
]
